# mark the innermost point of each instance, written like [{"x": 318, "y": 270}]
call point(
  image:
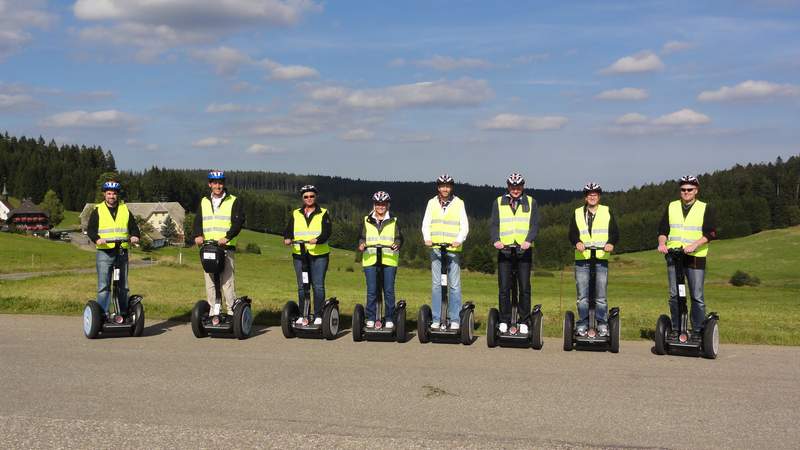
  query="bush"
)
[
  {"x": 740, "y": 278},
  {"x": 252, "y": 247}
]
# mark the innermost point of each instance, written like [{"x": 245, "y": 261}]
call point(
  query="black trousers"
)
[{"x": 504, "y": 279}]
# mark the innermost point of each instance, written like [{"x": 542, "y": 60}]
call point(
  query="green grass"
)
[
  {"x": 71, "y": 220},
  {"x": 766, "y": 314}
]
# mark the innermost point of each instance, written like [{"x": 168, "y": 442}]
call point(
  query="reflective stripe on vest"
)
[
  {"x": 112, "y": 228},
  {"x": 684, "y": 231},
  {"x": 216, "y": 224},
  {"x": 304, "y": 231},
  {"x": 446, "y": 225},
  {"x": 599, "y": 235},
  {"x": 514, "y": 227},
  {"x": 384, "y": 237}
]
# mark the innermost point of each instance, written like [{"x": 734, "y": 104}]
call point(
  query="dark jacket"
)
[
  {"x": 94, "y": 221},
  {"x": 533, "y": 225},
  {"x": 237, "y": 218},
  {"x": 613, "y": 229},
  {"x": 327, "y": 226},
  {"x": 398, "y": 234}
]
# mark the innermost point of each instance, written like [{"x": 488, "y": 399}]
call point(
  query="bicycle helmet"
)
[
  {"x": 380, "y": 197},
  {"x": 515, "y": 179},
  {"x": 216, "y": 175},
  {"x": 308, "y": 188},
  {"x": 111, "y": 186},
  {"x": 445, "y": 179},
  {"x": 592, "y": 187},
  {"x": 689, "y": 179}
]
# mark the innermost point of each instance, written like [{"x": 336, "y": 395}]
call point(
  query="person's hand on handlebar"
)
[
  {"x": 498, "y": 245},
  {"x": 455, "y": 244},
  {"x": 662, "y": 248},
  {"x": 287, "y": 242},
  {"x": 525, "y": 245},
  {"x": 362, "y": 247},
  {"x": 134, "y": 240},
  {"x": 395, "y": 246},
  {"x": 690, "y": 248},
  {"x": 198, "y": 240},
  {"x": 100, "y": 241},
  {"x": 428, "y": 243},
  {"x": 580, "y": 247},
  {"x": 313, "y": 241},
  {"x": 608, "y": 248},
  {"x": 222, "y": 241}
]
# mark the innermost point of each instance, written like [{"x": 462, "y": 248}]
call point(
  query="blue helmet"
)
[
  {"x": 111, "y": 186},
  {"x": 216, "y": 175}
]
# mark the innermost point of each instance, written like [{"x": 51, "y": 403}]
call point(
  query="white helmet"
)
[
  {"x": 689, "y": 179},
  {"x": 308, "y": 188},
  {"x": 445, "y": 179},
  {"x": 515, "y": 179},
  {"x": 592, "y": 187},
  {"x": 380, "y": 197}
]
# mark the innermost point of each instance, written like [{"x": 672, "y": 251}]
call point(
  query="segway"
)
[
  {"x": 378, "y": 332},
  {"x": 681, "y": 341},
  {"x": 95, "y": 321},
  {"x": 329, "y": 328},
  {"x": 208, "y": 321},
  {"x": 592, "y": 340},
  {"x": 465, "y": 334},
  {"x": 513, "y": 336}
]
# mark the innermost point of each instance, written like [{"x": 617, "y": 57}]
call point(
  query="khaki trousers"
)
[{"x": 226, "y": 278}]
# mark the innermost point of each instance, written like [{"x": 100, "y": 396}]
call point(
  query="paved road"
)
[{"x": 170, "y": 390}]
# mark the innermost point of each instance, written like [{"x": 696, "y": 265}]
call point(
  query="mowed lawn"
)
[{"x": 766, "y": 314}]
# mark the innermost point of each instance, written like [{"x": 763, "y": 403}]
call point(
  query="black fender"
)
[
  {"x": 467, "y": 305},
  {"x": 400, "y": 305},
  {"x": 537, "y": 309},
  {"x": 613, "y": 312},
  {"x": 330, "y": 302},
  {"x": 241, "y": 300},
  {"x": 133, "y": 300},
  {"x": 711, "y": 315}
]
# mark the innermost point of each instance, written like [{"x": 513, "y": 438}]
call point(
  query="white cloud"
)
[
  {"x": 293, "y": 73},
  {"x": 261, "y": 149},
  {"x": 446, "y": 94},
  {"x": 645, "y": 61},
  {"x": 675, "y": 47},
  {"x": 623, "y": 94},
  {"x": 414, "y": 138},
  {"x": 151, "y": 147},
  {"x": 524, "y": 123},
  {"x": 358, "y": 134},
  {"x": 286, "y": 127},
  {"x": 15, "y": 101},
  {"x": 684, "y": 117},
  {"x": 684, "y": 120},
  {"x": 631, "y": 118},
  {"x": 226, "y": 60},
  {"x": 527, "y": 59},
  {"x": 82, "y": 119},
  {"x": 16, "y": 18},
  {"x": 210, "y": 141},
  {"x": 232, "y": 108},
  {"x": 749, "y": 90},
  {"x": 446, "y": 63}
]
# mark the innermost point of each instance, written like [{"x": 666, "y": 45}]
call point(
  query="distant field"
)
[{"x": 766, "y": 314}]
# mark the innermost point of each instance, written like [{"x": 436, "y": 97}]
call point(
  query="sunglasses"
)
[
  {"x": 687, "y": 189},
  {"x": 309, "y": 196}
]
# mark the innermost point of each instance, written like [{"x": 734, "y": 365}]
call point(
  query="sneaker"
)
[
  {"x": 389, "y": 325},
  {"x": 299, "y": 321},
  {"x": 602, "y": 330},
  {"x": 673, "y": 335},
  {"x": 318, "y": 321},
  {"x": 370, "y": 324},
  {"x": 503, "y": 327},
  {"x": 435, "y": 325},
  {"x": 582, "y": 331},
  {"x": 454, "y": 326},
  {"x": 523, "y": 328}
]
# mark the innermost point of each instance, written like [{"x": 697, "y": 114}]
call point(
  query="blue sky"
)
[{"x": 622, "y": 93}]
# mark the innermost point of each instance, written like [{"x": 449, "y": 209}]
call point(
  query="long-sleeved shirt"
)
[
  {"x": 613, "y": 229},
  {"x": 463, "y": 222},
  {"x": 327, "y": 225},
  {"x": 521, "y": 202},
  {"x": 237, "y": 217},
  {"x": 94, "y": 222},
  {"x": 398, "y": 234}
]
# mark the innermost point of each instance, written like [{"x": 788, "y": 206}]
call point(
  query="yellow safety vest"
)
[
  {"x": 684, "y": 231},
  {"x": 514, "y": 227},
  {"x": 446, "y": 225},
  {"x": 216, "y": 224},
  {"x": 384, "y": 237},
  {"x": 304, "y": 231},
  {"x": 112, "y": 228},
  {"x": 598, "y": 237}
]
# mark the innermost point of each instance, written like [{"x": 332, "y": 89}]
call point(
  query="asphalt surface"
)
[{"x": 170, "y": 390}]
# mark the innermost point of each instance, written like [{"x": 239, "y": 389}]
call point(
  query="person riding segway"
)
[
  {"x": 686, "y": 228},
  {"x": 112, "y": 228},
  {"x": 444, "y": 228},
  {"x": 593, "y": 233},
  {"x": 514, "y": 226},
  {"x": 308, "y": 231},
  {"x": 216, "y": 231},
  {"x": 380, "y": 242}
]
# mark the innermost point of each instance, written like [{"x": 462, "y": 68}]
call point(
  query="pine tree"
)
[
  {"x": 169, "y": 229},
  {"x": 53, "y": 207}
]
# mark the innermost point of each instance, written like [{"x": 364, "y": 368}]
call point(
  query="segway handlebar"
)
[{"x": 377, "y": 246}]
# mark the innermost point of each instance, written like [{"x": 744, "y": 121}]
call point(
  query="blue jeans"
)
[
  {"x": 319, "y": 266},
  {"x": 582, "y": 284},
  {"x": 389, "y": 273},
  {"x": 453, "y": 285},
  {"x": 103, "y": 261},
  {"x": 695, "y": 279}
]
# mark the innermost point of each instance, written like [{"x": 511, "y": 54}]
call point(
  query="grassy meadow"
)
[{"x": 765, "y": 314}]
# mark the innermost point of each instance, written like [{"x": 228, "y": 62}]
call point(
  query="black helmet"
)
[
  {"x": 308, "y": 188},
  {"x": 592, "y": 187}
]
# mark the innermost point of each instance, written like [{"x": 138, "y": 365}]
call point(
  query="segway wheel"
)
[
  {"x": 289, "y": 313},
  {"x": 613, "y": 334},
  {"x": 243, "y": 321},
  {"x": 424, "y": 324},
  {"x": 330, "y": 322},
  {"x": 400, "y": 333},
  {"x": 92, "y": 319},
  {"x": 199, "y": 312},
  {"x": 491, "y": 328},
  {"x": 569, "y": 331},
  {"x": 468, "y": 327},
  {"x": 711, "y": 339},
  {"x": 663, "y": 328},
  {"x": 358, "y": 323},
  {"x": 537, "y": 341},
  {"x": 137, "y": 315}
]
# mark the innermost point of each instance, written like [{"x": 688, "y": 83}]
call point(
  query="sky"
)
[{"x": 617, "y": 92}]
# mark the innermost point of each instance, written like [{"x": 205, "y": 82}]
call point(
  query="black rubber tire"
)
[
  {"x": 94, "y": 322},
  {"x": 199, "y": 312},
  {"x": 242, "y": 321},
  {"x": 569, "y": 331},
  {"x": 537, "y": 340},
  {"x": 663, "y": 328},
  {"x": 468, "y": 327},
  {"x": 424, "y": 324},
  {"x": 358, "y": 323},
  {"x": 330, "y": 322},
  {"x": 137, "y": 314},
  {"x": 289, "y": 313},
  {"x": 492, "y": 321},
  {"x": 711, "y": 339},
  {"x": 400, "y": 333},
  {"x": 613, "y": 334}
]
